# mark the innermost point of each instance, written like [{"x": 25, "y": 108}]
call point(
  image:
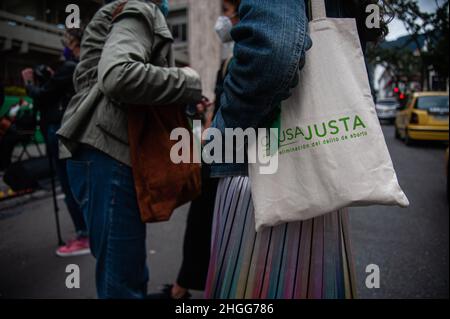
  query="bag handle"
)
[{"x": 318, "y": 9}]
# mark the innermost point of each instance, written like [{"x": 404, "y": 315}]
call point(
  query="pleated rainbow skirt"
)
[{"x": 302, "y": 260}]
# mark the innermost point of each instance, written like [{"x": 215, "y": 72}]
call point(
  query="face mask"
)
[
  {"x": 68, "y": 54},
  {"x": 223, "y": 28},
  {"x": 164, "y": 6}
]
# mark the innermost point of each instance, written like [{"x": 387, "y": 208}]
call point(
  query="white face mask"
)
[{"x": 223, "y": 28}]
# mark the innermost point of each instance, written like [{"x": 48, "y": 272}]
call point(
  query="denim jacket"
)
[{"x": 270, "y": 44}]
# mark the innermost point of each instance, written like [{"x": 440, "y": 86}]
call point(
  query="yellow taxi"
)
[{"x": 425, "y": 117}]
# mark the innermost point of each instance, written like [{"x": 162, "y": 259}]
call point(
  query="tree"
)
[{"x": 428, "y": 33}]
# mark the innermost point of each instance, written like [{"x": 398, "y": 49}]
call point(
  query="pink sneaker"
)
[{"x": 75, "y": 247}]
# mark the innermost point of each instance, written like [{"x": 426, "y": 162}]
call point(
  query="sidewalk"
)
[{"x": 29, "y": 267}]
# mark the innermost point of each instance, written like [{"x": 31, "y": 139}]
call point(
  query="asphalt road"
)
[{"x": 410, "y": 246}]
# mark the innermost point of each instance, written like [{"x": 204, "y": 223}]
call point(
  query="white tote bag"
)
[{"x": 332, "y": 153}]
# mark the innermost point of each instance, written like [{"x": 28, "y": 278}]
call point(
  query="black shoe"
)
[{"x": 166, "y": 293}]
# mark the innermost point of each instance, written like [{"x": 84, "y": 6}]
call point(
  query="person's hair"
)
[
  {"x": 235, "y": 3},
  {"x": 76, "y": 33}
]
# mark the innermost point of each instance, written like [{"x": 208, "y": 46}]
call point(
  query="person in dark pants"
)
[
  {"x": 127, "y": 68},
  {"x": 51, "y": 92},
  {"x": 197, "y": 238}
]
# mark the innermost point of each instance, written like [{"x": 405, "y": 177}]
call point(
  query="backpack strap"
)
[{"x": 119, "y": 9}]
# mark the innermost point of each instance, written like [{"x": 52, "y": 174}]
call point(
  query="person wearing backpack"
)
[{"x": 129, "y": 95}]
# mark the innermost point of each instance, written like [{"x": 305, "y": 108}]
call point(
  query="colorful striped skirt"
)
[{"x": 309, "y": 259}]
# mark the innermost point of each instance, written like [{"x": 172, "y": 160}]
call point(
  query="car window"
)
[
  {"x": 387, "y": 102},
  {"x": 432, "y": 102}
]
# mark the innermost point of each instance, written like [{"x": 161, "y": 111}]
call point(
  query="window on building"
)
[{"x": 178, "y": 24}]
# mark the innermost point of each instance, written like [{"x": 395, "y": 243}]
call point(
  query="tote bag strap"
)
[{"x": 318, "y": 9}]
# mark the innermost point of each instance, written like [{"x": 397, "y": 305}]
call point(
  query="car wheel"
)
[
  {"x": 408, "y": 140},
  {"x": 397, "y": 134}
]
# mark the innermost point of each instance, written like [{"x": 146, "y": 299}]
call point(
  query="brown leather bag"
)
[{"x": 161, "y": 185}]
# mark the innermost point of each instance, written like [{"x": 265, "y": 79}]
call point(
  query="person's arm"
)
[
  {"x": 271, "y": 40},
  {"x": 56, "y": 86},
  {"x": 126, "y": 75}
]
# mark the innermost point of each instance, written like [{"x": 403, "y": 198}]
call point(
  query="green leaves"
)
[{"x": 426, "y": 47}]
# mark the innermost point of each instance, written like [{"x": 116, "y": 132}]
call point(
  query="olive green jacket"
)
[{"x": 126, "y": 60}]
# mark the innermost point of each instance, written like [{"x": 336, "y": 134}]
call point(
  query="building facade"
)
[
  {"x": 31, "y": 32},
  {"x": 196, "y": 43}
]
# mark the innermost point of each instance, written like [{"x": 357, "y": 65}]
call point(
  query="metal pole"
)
[{"x": 55, "y": 202}]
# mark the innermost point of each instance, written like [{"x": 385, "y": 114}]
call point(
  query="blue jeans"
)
[
  {"x": 59, "y": 165},
  {"x": 104, "y": 188}
]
